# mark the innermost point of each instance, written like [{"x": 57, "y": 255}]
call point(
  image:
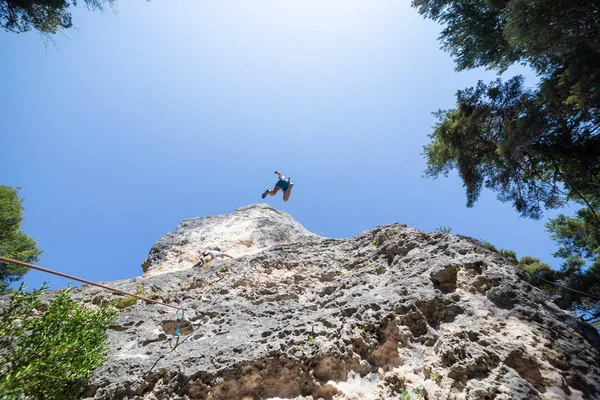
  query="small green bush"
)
[
  {"x": 489, "y": 246},
  {"x": 125, "y": 302},
  {"x": 53, "y": 349},
  {"x": 537, "y": 269},
  {"x": 404, "y": 395},
  {"x": 419, "y": 391},
  {"x": 510, "y": 256},
  {"x": 443, "y": 229},
  {"x": 534, "y": 265},
  {"x": 140, "y": 290}
]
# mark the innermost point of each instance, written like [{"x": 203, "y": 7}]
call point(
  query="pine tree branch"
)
[{"x": 582, "y": 197}]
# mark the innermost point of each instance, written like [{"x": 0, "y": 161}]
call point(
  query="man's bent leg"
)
[
  {"x": 274, "y": 191},
  {"x": 286, "y": 194}
]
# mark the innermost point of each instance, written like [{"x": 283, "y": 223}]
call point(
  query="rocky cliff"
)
[
  {"x": 393, "y": 313},
  {"x": 249, "y": 230}
]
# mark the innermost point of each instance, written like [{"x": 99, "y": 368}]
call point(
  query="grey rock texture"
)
[
  {"x": 393, "y": 313},
  {"x": 249, "y": 230}
]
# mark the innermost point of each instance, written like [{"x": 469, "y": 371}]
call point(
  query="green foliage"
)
[
  {"x": 50, "y": 350},
  {"x": 382, "y": 238},
  {"x": 489, "y": 246},
  {"x": 443, "y": 229},
  {"x": 560, "y": 37},
  {"x": 140, "y": 290},
  {"x": 124, "y": 302},
  {"x": 13, "y": 242},
  {"x": 536, "y": 267},
  {"x": 572, "y": 275},
  {"x": 510, "y": 256},
  {"x": 579, "y": 235},
  {"x": 536, "y": 148},
  {"x": 419, "y": 391},
  {"x": 508, "y": 139},
  {"x": 578, "y": 238},
  {"x": 404, "y": 395},
  {"x": 536, "y": 270},
  {"x": 129, "y": 301},
  {"x": 45, "y": 16},
  {"x": 473, "y": 32}
]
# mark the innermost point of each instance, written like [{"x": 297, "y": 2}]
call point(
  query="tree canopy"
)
[
  {"x": 45, "y": 16},
  {"x": 14, "y": 243},
  {"x": 513, "y": 140},
  {"x": 537, "y": 148}
]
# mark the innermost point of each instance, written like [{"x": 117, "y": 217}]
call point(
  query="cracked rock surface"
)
[
  {"x": 248, "y": 230},
  {"x": 390, "y": 313}
]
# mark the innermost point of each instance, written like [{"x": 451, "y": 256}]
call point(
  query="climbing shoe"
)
[{"x": 265, "y": 193}]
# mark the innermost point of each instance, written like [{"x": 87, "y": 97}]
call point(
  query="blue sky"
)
[{"x": 166, "y": 110}]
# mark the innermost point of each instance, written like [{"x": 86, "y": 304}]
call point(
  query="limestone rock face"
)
[
  {"x": 393, "y": 313},
  {"x": 249, "y": 230}
]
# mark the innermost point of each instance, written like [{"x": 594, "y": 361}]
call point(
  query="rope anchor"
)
[{"x": 177, "y": 335}]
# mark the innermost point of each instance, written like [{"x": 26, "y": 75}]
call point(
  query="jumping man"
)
[{"x": 284, "y": 184}]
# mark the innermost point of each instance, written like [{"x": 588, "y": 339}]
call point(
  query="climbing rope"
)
[
  {"x": 177, "y": 334},
  {"x": 37, "y": 267},
  {"x": 591, "y": 296},
  {"x": 9, "y": 260}
]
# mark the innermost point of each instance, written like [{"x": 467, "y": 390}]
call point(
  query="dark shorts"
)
[{"x": 284, "y": 185}]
